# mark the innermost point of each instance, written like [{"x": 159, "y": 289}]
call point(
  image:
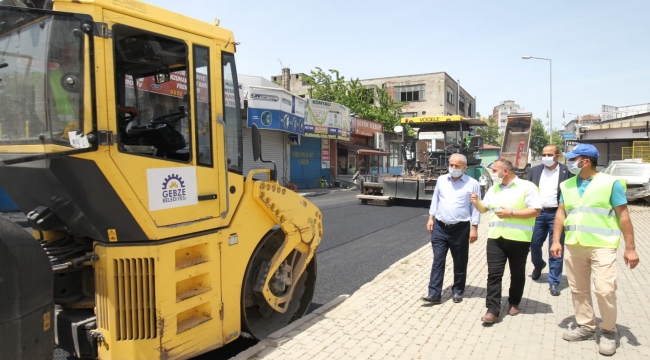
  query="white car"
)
[{"x": 636, "y": 175}]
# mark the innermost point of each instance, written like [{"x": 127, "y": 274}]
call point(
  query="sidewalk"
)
[{"x": 385, "y": 318}]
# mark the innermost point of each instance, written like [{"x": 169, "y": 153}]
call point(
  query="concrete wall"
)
[{"x": 435, "y": 92}]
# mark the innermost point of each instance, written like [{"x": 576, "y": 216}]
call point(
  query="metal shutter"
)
[
  {"x": 274, "y": 144},
  {"x": 306, "y": 163}
]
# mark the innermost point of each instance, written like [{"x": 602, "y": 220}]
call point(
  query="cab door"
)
[{"x": 163, "y": 116}]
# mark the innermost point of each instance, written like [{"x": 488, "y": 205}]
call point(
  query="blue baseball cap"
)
[{"x": 582, "y": 150}]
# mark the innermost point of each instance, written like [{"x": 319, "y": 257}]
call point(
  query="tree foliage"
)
[
  {"x": 373, "y": 104},
  {"x": 490, "y": 133},
  {"x": 539, "y": 137}
]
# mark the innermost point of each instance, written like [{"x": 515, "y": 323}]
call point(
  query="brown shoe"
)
[
  {"x": 513, "y": 310},
  {"x": 489, "y": 318}
]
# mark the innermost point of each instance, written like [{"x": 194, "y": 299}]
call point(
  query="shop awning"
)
[{"x": 363, "y": 150}]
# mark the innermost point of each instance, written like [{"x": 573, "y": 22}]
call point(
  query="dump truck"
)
[
  {"x": 516, "y": 142},
  {"x": 420, "y": 175},
  {"x": 121, "y": 141}
]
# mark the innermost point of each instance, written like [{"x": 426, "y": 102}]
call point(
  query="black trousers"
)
[
  {"x": 498, "y": 252},
  {"x": 454, "y": 238}
]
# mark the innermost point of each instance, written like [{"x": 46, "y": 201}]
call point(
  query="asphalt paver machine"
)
[{"x": 423, "y": 166}]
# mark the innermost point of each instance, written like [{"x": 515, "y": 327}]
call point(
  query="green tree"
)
[
  {"x": 373, "y": 104},
  {"x": 539, "y": 137},
  {"x": 558, "y": 140},
  {"x": 490, "y": 133}
]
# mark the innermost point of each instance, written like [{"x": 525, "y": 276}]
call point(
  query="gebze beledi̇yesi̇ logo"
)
[{"x": 173, "y": 189}]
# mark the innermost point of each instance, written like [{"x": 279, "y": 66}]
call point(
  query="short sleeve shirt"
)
[
  {"x": 618, "y": 194},
  {"x": 532, "y": 200}
]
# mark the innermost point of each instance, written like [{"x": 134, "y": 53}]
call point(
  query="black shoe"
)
[
  {"x": 555, "y": 290},
  {"x": 458, "y": 298},
  {"x": 537, "y": 272},
  {"x": 432, "y": 299}
]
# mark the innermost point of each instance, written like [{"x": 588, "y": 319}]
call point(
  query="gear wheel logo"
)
[{"x": 173, "y": 181}]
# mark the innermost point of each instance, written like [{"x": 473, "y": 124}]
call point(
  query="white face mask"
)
[
  {"x": 496, "y": 180},
  {"x": 573, "y": 167},
  {"x": 455, "y": 172},
  {"x": 548, "y": 161}
]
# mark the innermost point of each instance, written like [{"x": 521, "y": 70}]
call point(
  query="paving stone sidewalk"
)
[{"x": 385, "y": 318}]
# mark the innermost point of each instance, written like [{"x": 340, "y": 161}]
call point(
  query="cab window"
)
[
  {"x": 232, "y": 114},
  {"x": 152, "y": 94}
]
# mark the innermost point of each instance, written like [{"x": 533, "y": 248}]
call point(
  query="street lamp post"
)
[
  {"x": 550, "y": 67},
  {"x": 400, "y": 129}
]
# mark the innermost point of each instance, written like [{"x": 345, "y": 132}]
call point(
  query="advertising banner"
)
[
  {"x": 176, "y": 86},
  {"x": 276, "y": 109},
  {"x": 366, "y": 127},
  {"x": 326, "y": 119}
]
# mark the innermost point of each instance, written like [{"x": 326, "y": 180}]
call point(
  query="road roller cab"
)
[{"x": 121, "y": 139}]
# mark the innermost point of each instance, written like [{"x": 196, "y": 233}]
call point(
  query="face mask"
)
[
  {"x": 455, "y": 172},
  {"x": 573, "y": 167},
  {"x": 496, "y": 180},
  {"x": 548, "y": 161}
]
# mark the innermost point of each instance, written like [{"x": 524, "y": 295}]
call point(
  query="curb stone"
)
[{"x": 281, "y": 336}]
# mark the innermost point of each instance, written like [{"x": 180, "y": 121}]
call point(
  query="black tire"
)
[{"x": 258, "y": 319}]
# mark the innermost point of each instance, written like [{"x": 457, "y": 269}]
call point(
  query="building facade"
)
[
  {"x": 612, "y": 136},
  {"x": 609, "y": 112},
  {"x": 422, "y": 95},
  {"x": 501, "y": 111}
]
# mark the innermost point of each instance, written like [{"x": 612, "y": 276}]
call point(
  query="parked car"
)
[{"x": 636, "y": 175}]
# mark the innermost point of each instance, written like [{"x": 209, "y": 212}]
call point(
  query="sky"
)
[{"x": 599, "y": 49}]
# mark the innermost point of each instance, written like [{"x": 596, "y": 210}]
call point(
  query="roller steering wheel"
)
[{"x": 169, "y": 119}]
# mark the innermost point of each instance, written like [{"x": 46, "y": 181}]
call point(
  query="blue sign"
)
[
  {"x": 266, "y": 119},
  {"x": 569, "y": 136}
]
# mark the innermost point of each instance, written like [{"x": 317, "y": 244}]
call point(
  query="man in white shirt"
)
[{"x": 547, "y": 177}]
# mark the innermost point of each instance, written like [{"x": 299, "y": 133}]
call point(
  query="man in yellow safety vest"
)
[
  {"x": 593, "y": 213},
  {"x": 514, "y": 204}
]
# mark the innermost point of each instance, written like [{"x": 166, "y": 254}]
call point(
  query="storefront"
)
[
  {"x": 365, "y": 151},
  {"x": 306, "y": 163},
  {"x": 279, "y": 115},
  {"x": 313, "y": 158}
]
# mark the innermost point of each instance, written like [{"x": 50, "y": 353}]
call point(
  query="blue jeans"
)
[
  {"x": 456, "y": 240},
  {"x": 544, "y": 227}
]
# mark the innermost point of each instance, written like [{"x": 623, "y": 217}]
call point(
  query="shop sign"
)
[
  {"x": 326, "y": 119},
  {"x": 366, "y": 127},
  {"x": 276, "y": 109},
  {"x": 176, "y": 86}
]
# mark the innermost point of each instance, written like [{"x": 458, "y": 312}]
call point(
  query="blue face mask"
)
[{"x": 455, "y": 172}]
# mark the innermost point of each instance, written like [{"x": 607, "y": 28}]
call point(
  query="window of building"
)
[
  {"x": 450, "y": 95},
  {"x": 409, "y": 93},
  {"x": 395, "y": 147},
  {"x": 461, "y": 103},
  {"x": 640, "y": 130},
  {"x": 469, "y": 110},
  {"x": 369, "y": 95},
  {"x": 503, "y": 121}
]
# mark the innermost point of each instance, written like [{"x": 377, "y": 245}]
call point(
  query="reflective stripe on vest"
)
[
  {"x": 592, "y": 229},
  {"x": 512, "y": 226},
  {"x": 514, "y": 199},
  {"x": 591, "y": 210},
  {"x": 590, "y": 219}
]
